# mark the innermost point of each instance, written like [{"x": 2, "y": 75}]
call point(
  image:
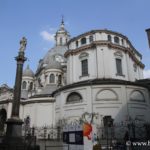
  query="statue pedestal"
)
[
  {"x": 14, "y": 139},
  {"x": 14, "y": 127},
  {"x": 14, "y": 131}
]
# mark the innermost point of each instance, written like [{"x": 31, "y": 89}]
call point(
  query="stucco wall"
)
[{"x": 114, "y": 100}]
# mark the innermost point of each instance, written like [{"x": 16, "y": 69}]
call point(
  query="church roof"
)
[
  {"x": 53, "y": 64},
  {"x": 105, "y": 31},
  {"x": 28, "y": 72},
  {"x": 53, "y": 51},
  {"x": 49, "y": 58},
  {"x": 55, "y": 55},
  {"x": 48, "y": 89},
  {"x": 5, "y": 88}
]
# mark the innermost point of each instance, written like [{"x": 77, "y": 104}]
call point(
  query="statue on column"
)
[{"x": 23, "y": 44}]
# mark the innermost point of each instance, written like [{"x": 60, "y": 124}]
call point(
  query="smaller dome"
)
[
  {"x": 28, "y": 72},
  {"x": 53, "y": 64}
]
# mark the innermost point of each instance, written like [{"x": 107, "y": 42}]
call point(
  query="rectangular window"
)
[
  {"x": 76, "y": 44},
  {"x": 119, "y": 66},
  {"x": 84, "y": 65}
]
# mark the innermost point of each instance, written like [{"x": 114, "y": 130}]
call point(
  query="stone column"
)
[{"x": 14, "y": 124}]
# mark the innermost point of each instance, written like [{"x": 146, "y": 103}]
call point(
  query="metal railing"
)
[
  {"x": 116, "y": 136},
  {"x": 46, "y": 132}
]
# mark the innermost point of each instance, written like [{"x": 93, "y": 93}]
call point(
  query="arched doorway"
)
[{"x": 3, "y": 117}]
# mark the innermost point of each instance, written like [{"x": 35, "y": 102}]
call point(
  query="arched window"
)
[
  {"x": 74, "y": 97},
  {"x": 77, "y": 44},
  {"x": 3, "y": 117},
  {"x": 116, "y": 39},
  {"x": 31, "y": 86},
  {"x": 91, "y": 38},
  {"x": 83, "y": 41},
  {"x": 24, "y": 85},
  {"x": 52, "y": 78},
  {"x": 106, "y": 95},
  {"x": 59, "y": 80},
  {"x": 119, "y": 66},
  {"x": 122, "y": 42},
  {"x": 84, "y": 67},
  {"x": 60, "y": 40},
  {"x": 109, "y": 38},
  {"x": 137, "y": 95}
]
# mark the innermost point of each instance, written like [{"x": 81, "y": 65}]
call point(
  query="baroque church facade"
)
[{"x": 98, "y": 72}]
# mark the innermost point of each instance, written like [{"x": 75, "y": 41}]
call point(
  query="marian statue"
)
[{"x": 23, "y": 44}]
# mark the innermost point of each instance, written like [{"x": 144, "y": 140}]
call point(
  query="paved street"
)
[{"x": 50, "y": 145}]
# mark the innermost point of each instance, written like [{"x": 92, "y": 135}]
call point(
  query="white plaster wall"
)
[
  {"x": 45, "y": 114},
  {"x": 64, "y": 38},
  {"x": 40, "y": 113},
  {"x": 102, "y": 63},
  {"x": 119, "y": 108},
  {"x": 69, "y": 70},
  {"x": 141, "y": 76},
  {"x": 136, "y": 107},
  {"x": 30, "y": 110}
]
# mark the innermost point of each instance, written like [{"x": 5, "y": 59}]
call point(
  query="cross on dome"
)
[{"x": 62, "y": 36}]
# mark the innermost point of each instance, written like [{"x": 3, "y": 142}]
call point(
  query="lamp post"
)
[{"x": 14, "y": 124}]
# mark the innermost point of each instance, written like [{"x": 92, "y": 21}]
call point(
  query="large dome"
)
[
  {"x": 53, "y": 64},
  {"x": 28, "y": 72},
  {"x": 56, "y": 50}
]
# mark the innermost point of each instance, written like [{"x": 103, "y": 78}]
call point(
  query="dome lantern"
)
[{"x": 62, "y": 36}]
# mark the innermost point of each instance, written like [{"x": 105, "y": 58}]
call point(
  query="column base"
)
[
  {"x": 14, "y": 131},
  {"x": 14, "y": 139}
]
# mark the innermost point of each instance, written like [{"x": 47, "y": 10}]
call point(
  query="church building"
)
[{"x": 97, "y": 72}]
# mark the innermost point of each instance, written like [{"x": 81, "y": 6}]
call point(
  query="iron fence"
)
[
  {"x": 110, "y": 137},
  {"x": 117, "y": 135},
  {"x": 46, "y": 132}
]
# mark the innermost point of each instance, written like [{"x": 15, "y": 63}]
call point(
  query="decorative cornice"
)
[
  {"x": 6, "y": 101},
  {"x": 104, "y": 43},
  {"x": 97, "y": 31},
  {"x": 107, "y": 32},
  {"x": 80, "y": 49},
  {"x": 30, "y": 101},
  {"x": 99, "y": 82}
]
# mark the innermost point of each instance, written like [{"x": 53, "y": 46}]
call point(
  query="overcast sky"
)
[{"x": 38, "y": 21}]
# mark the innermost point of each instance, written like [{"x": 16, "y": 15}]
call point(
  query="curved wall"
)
[{"x": 117, "y": 100}]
